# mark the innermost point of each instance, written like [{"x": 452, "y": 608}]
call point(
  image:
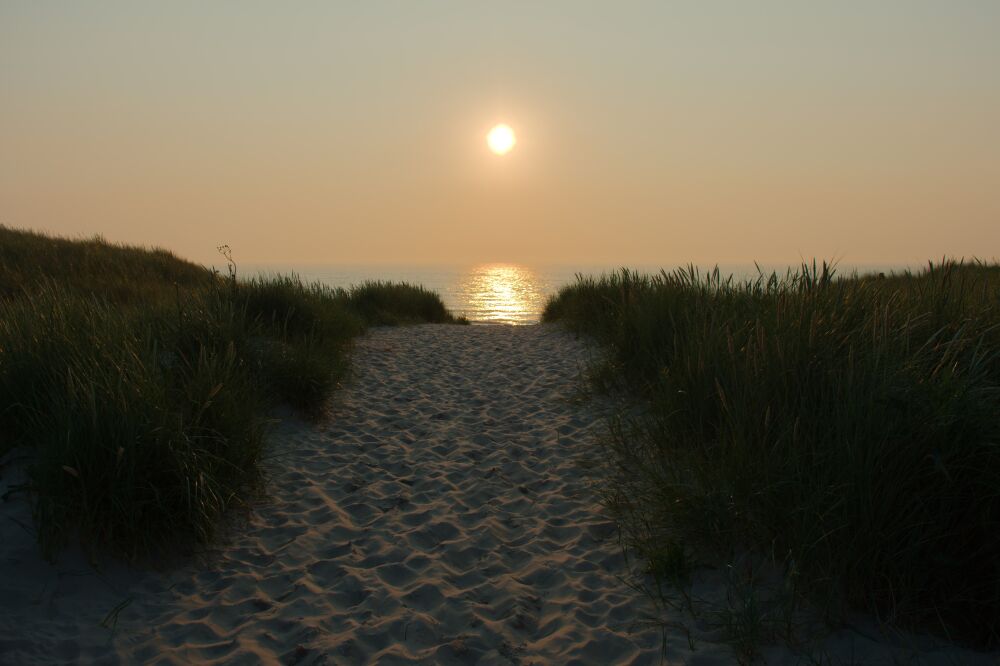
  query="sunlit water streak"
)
[
  {"x": 501, "y": 293},
  {"x": 485, "y": 293}
]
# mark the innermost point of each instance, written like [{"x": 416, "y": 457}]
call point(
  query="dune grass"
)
[
  {"x": 115, "y": 273},
  {"x": 142, "y": 383},
  {"x": 847, "y": 428},
  {"x": 388, "y": 303}
]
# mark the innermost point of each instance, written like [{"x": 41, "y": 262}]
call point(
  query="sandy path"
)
[{"x": 438, "y": 515}]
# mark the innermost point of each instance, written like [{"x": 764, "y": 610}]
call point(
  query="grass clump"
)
[
  {"x": 847, "y": 427},
  {"x": 386, "y": 303},
  {"x": 142, "y": 383}
]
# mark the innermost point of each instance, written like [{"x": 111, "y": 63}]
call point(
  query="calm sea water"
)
[{"x": 487, "y": 293}]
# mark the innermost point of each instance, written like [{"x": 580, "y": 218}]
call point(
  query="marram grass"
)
[
  {"x": 142, "y": 383},
  {"x": 848, "y": 428}
]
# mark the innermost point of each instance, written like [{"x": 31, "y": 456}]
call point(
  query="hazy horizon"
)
[
  {"x": 504, "y": 293},
  {"x": 647, "y": 133}
]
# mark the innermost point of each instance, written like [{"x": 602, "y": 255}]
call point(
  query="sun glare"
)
[{"x": 501, "y": 139}]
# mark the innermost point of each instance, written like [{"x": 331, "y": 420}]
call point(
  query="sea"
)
[{"x": 501, "y": 293}]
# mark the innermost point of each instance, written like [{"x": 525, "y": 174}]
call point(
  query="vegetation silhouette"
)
[
  {"x": 143, "y": 385},
  {"x": 844, "y": 427}
]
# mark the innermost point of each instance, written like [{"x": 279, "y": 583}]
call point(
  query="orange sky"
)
[{"x": 648, "y": 133}]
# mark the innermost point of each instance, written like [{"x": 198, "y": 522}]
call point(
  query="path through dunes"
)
[{"x": 436, "y": 515}]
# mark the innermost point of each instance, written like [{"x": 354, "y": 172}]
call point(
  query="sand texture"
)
[{"x": 438, "y": 514}]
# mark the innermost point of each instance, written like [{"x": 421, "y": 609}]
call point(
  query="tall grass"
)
[
  {"x": 850, "y": 428},
  {"x": 143, "y": 384}
]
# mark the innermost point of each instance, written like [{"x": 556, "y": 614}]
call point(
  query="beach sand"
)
[{"x": 440, "y": 513}]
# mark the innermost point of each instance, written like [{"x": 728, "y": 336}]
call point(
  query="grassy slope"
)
[
  {"x": 142, "y": 381},
  {"x": 115, "y": 272},
  {"x": 848, "y": 427}
]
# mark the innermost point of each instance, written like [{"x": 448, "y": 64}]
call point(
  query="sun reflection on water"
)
[{"x": 502, "y": 294}]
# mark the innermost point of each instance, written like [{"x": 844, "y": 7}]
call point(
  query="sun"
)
[{"x": 501, "y": 139}]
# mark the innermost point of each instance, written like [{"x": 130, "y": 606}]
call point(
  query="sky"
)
[{"x": 647, "y": 133}]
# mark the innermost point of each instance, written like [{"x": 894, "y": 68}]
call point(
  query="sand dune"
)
[{"x": 438, "y": 515}]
